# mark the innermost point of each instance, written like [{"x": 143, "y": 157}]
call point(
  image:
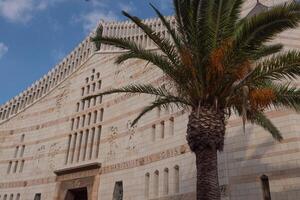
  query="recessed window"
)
[
  {"x": 147, "y": 185},
  {"x": 38, "y": 196},
  {"x": 176, "y": 179},
  {"x": 265, "y": 187},
  {"x": 118, "y": 191},
  {"x": 156, "y": 183}
]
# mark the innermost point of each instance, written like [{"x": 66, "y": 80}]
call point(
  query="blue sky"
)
[{"x": 36, "y": 34}]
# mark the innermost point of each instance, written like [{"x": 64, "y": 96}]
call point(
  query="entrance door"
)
[{"x": 77, "y": 194}]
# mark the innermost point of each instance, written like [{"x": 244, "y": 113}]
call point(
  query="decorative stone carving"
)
[
  {"x": 111, "y": 154},
  {"x": 63, "y": 95},
  {"x": 54, "y": 149},
  {"x": 39, "y": 159},
  {"x": 131, "y": 143}
]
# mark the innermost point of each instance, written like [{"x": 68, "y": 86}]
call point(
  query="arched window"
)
[
  {"x": 147, "y": 184},
  {"x": 101, "y": 114},
  {"x": 176, "y": 179},
  {"x": 166, "y": 182},
  {"x": 156, "y": 183},
  {"x": 98, "y": 140},
  {"x": 68, "y": 148},
  {"x": 153, "y": 132},
  {"x": 162, "y": 130},
  {"x": 73, "y": 147},
  {"x": 79, "y": 145},
  {"x": 9, "y": 167},
  {"x": 265, "y": 187},
  {"x": 171, "y": 126}
]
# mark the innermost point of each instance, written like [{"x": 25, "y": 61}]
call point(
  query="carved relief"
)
[
  {"x": 131, "y": 143},
  {"x": 111, "y": 154},
  {"x": 39, "y": 159},
  {"x": 54, "y": 149},
  {"x": 63, "y": 95}
]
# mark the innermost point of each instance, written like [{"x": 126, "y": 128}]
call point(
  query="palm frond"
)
[
  {"x": 261, "y": 119},
  {"x": 164, "y": 44},
  {"x": 278, "y": 67},
  {"x": 161, "y": 102},
  {"x": 136, "y": 89},
  {"x": 286, "y": 95},
  {"x": 172, "y": 32},
  {"x": 261, "y": 28}
]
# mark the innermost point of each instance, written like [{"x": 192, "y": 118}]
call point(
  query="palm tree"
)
[{"x": 218, "y": 64}]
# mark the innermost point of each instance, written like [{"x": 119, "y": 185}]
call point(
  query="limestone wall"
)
[{"x": 55, "y": 131}]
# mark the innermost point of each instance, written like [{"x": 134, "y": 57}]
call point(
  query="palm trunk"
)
[
  {"x": 207, "y": 175},
  {"x": 205, "y": 136}
]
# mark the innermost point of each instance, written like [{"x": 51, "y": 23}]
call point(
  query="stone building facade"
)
[{"x": 54, "y": 146}]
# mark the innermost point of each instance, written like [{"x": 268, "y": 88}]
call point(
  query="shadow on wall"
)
[{"x": 255, "y": 154}]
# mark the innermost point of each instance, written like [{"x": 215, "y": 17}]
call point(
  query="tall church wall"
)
[{"x": 45, "y": 149}]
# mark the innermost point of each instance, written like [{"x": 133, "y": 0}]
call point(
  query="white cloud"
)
[
  {"x": 23, "y": 10},
  {"x": 91, "y": 19},
  {"x": 3, "y": 49}
]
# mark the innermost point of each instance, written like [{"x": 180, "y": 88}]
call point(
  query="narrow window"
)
[
  {"x": 83, "y": 121},
  {"x": 92, "y": 143},
  {"x": 147, "y": 184},
  {"x": 5, "y": 197},
  {"x": 22, "y": 151},
  {"x": 9, "y": 167},
  {"x": 171, "y": 126},
  {"x": 79, "y": 145},
  {"x": 99, "y": 99},
  {"x": 118, "y": 191},
  {"x": 99, "y": 84},
  {"x": 98, "y": 141},
  {"x": 72, "y": 124},
  {"x": 101, "y": 115},
  {"x": 77, "y": 107},
  {"x": 153, "y": 132},
  {"x": 21, "y": 166},
  {"x": 98, "y": 75},
  {"x": 176, "y": 179},
  {"x": 162, "y": 130},
  {"x": 156, "y": 183},
  {"x": 82, "y": 105},
  {"x": 86, "y": 80},
  {"x": 68, "y": 149},
  {"x": 77, "y": 122},
  {"x": 11, "y": 197},
  {"x": 265, "y": 187},
  {"x": 92, "y": 78},
  {"x": 16, "y": 166},
  {"x": 89, "y": 118},
  {"x": 73, "y": 147},
  {"x": 82, "y": 91},
  {"x": 88, "y": 103},
  {"x": 95, "y": 116},
  {"x": 85, "y": 144},
  {"x": 166, "y": 182},
  {"x": 95, "y": 100},
  {"x": 18, "y": 196},
  {"x": 88, "y": 89},
  {"x": 37, "y": 196},
  {"x": 94, "y": 87}
]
